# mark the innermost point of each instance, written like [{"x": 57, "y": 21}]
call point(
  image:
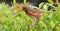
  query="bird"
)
[{"x": 35, "y": 13}]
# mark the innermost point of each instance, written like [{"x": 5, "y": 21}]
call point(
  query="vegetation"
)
[{"x": 12, "y": 20}]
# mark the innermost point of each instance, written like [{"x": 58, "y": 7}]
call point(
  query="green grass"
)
[{"x": 12, "y": 20}]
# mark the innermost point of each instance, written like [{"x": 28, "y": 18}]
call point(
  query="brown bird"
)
[{"x": 34, "y": 12}]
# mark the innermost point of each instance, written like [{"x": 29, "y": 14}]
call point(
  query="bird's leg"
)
[{"x": 35, "y": 21}]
